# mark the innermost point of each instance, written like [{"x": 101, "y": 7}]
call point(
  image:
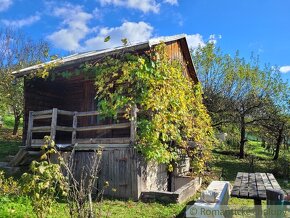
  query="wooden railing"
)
[{"x": 54, "y": 127}]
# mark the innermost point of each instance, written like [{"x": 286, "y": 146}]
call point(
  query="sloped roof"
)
[{"x": 79, "y": 58}]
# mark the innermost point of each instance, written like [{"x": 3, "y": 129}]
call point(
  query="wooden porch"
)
[{"x": 76, "y": 134}]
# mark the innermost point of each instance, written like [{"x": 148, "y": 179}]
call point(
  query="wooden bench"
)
[{"x": 203, "y": 209}]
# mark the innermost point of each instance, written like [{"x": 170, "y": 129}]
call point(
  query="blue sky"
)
[{"x": 259, "y": 26}]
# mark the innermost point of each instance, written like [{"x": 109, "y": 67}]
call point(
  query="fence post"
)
[
  {"x": 74, "y": 132},
  {"x": 53, "y": 124},
  {"x": 133, "y": 129},
  {"x": 29, "y": 129}
]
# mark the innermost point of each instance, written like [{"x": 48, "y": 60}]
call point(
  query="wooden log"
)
[
  {"x": 53, "y": 124},
  {"x": 103, "y": 127},
  {"x": 29, "y": 129}
]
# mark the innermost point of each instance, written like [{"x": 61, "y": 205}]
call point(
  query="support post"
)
[
  {"x": 74, "y": 132},
  {"x": 53, "y": 124},
  {"x": 29, "y": 129},
  {"x": 258, "y": 208},
  {"x": 133, "y": 129}
]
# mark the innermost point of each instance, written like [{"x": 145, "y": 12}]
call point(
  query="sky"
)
[{"x": 261, "y": 27}]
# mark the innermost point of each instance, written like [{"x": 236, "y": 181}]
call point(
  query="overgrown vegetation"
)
[{"x": 171, "y": 112}]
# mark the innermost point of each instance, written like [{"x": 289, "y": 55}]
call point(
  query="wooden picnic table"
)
[{"x": 253, "y": 186}]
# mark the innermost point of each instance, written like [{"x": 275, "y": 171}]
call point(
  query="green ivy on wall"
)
[{"x": 171, "y": 112}]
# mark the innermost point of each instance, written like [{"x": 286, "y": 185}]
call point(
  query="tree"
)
[
  {"x": 235, "y": 90},
  {"x": 276, "y": 124},
  {"x": 17, "y": 51}
]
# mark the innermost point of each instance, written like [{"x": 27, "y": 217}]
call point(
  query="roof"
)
[{"x": 79, "y": 58}]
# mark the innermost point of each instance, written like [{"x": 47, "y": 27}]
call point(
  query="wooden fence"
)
[{"x": 54, "y": 127}]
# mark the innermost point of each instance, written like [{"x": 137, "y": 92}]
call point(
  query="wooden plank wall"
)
[
  {"x": 118, "y": 168},
  {"x": 174, "y": 51}
]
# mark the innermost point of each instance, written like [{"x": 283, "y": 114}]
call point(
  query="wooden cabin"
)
[{"x": 66, "y": 109}]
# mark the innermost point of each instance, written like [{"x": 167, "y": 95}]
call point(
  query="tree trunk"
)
[
  {"x": 243, "y": 137},
  {"x": 278, "y": 143},
  {"x": 16, "y": 124}
]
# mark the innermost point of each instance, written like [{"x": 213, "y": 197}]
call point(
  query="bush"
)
[{"x": 8, "y": 186}]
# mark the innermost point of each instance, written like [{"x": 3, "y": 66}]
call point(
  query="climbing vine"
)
[{"x": 172, "y": 119}]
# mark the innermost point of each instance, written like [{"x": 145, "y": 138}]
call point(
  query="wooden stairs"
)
[{"x": 24, "y": 157}]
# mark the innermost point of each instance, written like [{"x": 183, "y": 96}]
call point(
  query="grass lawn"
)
[
  {"x": 21, "y": 207},
  {"x": 9, "y": 144}
]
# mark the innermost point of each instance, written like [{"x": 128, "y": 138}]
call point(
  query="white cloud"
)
[
  {"x": 284, "y": 69},
  {"x": 172, "y": 2},
  {"x": 196, "y": 40},
  {"x": 5, "y": 4},
  {"x": 21, "y": 22},
  {"x": 75, "y": 27},
  {"x": 144, "y": 5},
  {"x": 213, "y": 38},
  {"x": 133, "y": 32}
]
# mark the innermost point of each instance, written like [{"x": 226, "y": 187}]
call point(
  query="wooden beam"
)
[
  {"x": 67, "y": 113},
  {"x": 41, "y": 129},
  {"x": 103, "y": 141},
  {"x": 46, "y": 116},
  {"x": 89, "y": 113},
  {"x": 103, "y": 127},
  {"x": 74, "y": 132},
  {"x": 93, "y": 113},
  {"x": 35, "y": 113},
  {"x": 64, "y": 128},
  {"x": 53, "y": 124},
  {"x": 37, "y": 141},
  {"x": 84, "y": 147},
  {"x": 29, "y": 129}
]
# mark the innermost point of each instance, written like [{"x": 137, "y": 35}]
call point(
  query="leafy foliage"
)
[
  {"x": 45, "y": 182},
  {"x": 171, "y": 109},
  {"x": 236, "y": 90},
  {"x": 17, "y": 52},
  {"x": 8, "y": 186}
]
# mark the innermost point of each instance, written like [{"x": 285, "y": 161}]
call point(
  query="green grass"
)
[
  {"x": 9, "y": 144},
  {"x": 22, "y": 207}
]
